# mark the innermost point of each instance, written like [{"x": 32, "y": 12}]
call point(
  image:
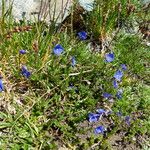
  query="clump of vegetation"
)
[{"x": 56, "y": 92}]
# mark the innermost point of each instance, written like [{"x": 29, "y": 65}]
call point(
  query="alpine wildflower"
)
[
  {"x": 100, "y": 111},
  {"x": 119, "y": 113},
  {"x": 109, "y": 57},
  {"x": 115, "y": 84},
  {"x": 99, "y": 130},
  {"x": 107, "y": 95},
  {"x": 119, "y": 93},
  {"x": 124, "y": 67},
  {"x": 73, "y": 61},
  {"x": 58, "y": 49},
  {"x": 127, "y": 120},
  {"x": 82, "y": 35},
  {"x": 93, "y": 117},
  {"x": 22, "y": 51},
  {"x": 1, "y": 86},
  {"x": 25, "y": 72},
  {"x": 70, "y": 87},
  {"x": 118, "y": 75}
]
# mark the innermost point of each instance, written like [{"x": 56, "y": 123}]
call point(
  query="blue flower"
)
[
  {"x": 73, "y": 61},
  {"x": 109, "y": 57},
  {"x": 100, "y": 111},
  {"x": 99, "y": 130},
  {"x": 70, "y": 87},
  {"x": 58, "y": 49},
  {"x": 119, "y": 113},
  {"x": 25, "y": 72},
  {"x": 93, "y": 117},
  {"x": 127, "y": 120},
  {"x": 119, "y": 93},
  {"x": 124, "y": 67},
  {"x": 22, "y": 51},
  {"x": 82, "y": 35},
  {"x": 107, "y": 95},
  {"x": 115, "y": 84},
  {"x": 1, "y": 86},
  {"x": 118, "y": 75}
]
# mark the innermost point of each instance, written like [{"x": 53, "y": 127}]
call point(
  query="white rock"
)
[
  {"x": 38, "y": 9},
  {"x": 145, "y": 1},
  {"x": 87, "y": 4},
  {"x": 43, "y": 9},
  {"x": 148, "y": 43}
]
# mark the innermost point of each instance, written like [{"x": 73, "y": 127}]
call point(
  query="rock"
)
[
  {"x": 53, "y": 10},
  {"x": 38, "y": 9},
  {"x": 87, "y": 4},
  {"x": 145, "y": 1}
]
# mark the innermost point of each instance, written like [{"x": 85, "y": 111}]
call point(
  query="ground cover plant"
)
[{"x": 79, "y": 89}]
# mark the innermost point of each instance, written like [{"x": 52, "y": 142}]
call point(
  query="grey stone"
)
[
  {"x": 38, "y": 9},
  {"x": 48, "y": 10}
]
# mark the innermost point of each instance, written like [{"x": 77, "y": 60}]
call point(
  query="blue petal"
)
[
  {"x": 1, "y": 86},
  {"x": 100, "y": 111},
  {"x": 107, "y": 95},
  {"x": 58, "y": 49},
  {"x": 124, "y": 67},
  {"x": 93, "y": 117},
  {"x": 25, "y": 72},
  {"x": 24, "y": 69},
  {"x": 115, "y": 84},
  {"x": 71, "y": 85},
  {"x": 82, "y": 35},
  {"x": 119, "y": 93},
  {"x": 109, "y": 57},
  {"x": 118, "y": 75},
  {"x": 119, "y": 113},
  {"x": 127, "y": 120},
  {"x": 22, "y": 51},
  {"x": 73, "y": 61},
  {"x": 99, "y": 130}
]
